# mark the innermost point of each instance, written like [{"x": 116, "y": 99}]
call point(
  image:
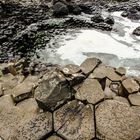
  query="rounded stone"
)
[{"x": 116, "y": 121}]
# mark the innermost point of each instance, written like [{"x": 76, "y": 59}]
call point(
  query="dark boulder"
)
[
  {"x": 97, "y": 18},
  {"x": 60, "y": 9},
  {"x": 74, "y": 9},
  {"x": 124, "y": 14},
  {"x": 86, "y": 8},
  {"x": 137, "y": 31},
  {"x": 109, "y": 20}
]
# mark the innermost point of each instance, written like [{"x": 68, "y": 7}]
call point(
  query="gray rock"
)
[
  {"x": 109, "y": 20},
  {"x": 121, "y": 71},
  {"x": 121, "y": 99},
  {"x": 75, "y": 121},
  {"x": 52, "y": 91},
  {"x": 22, "y": 91},
  {"x": 12, "y": 117},
  {"x": 9, "y": 81},
  {"x": 130, "y": 85},
  {"x": 36, "y": 128},
  {"x": 109, "y": 94},
  {"x": 105, "y": 71},
  {"x": 134, "y": 99},
  {"x": 76, "y": 78},
  {"x": 137, "y": 31},
  {"x": 60, "y": 9},
  {"x": 89, "y": 65},
  {"x": 71, "y": 69},
  {"x": 116, "y": 121},
  {"x": 90, "y": 91}
]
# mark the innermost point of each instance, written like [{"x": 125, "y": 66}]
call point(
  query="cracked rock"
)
[
  {"x": 89, "y": 65},
  {"x": 130, "y": 85},
  {"x": 116, "y": 121},
  {"x": 105, "y": 71},
  {"x": 75, "y": 121},
  {"x": 90, "y": 91},
  {"x": 11, "y": 116},
  {"x": 52, "y": 91},
  {"x": 36, "y": 128}
]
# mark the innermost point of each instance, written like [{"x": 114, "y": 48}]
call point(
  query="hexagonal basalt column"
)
[
  {"x": 36, "y": 128},
  {"x": 75, "y": 121},
  {"x": 116, "y": 121},
  {"x": 90, "y": 91}
]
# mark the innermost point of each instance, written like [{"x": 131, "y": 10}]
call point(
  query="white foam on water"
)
[
  {"x": 123, "y": 47},
  {"x": 122, "y": 43}
]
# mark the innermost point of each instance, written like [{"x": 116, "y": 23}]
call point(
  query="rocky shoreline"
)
[
  {"x": 90, "y": 101},
  {"x": 51, "y": 102},
  {"x": 22, "y": 27}
]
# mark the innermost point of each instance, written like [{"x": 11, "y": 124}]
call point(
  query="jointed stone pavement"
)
[{"x": 86, "y": 102}]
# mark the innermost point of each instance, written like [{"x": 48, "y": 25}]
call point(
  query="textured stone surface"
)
[
  {"x": 75, "y": 121},
  {"x": 121, "y": 71},
  {"x": 121, "y": 99},
  {"x": 70, "y": 69},
  {"x": 52, "y": 91},
  {"x": 1, "y": 90},
  {"x": 90, "y": 91},
  {"x": 22, "y": 91},
  {"x": 130, "y": 85},
  {"x": 134, "y": 99},
  {"x": 116, "y": 121},
  {"x": 105, "y": 71},
  {"x": 54, "y": 138},
  {"x": 11, "y": 117},
  {"x": 109, "y": 93},
  {"x": 89, "y": 65},
  {"x": 36, "y": 128}
]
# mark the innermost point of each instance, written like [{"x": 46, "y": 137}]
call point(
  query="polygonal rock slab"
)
[
  {"x": 22, "y": 91},
  {"x": 90, "y": 91},
  {"x": 134, "y": 99},
  {"x": 36, "y": 128},
  {"x": 71, "y": 69},
  {"x": 75, "y": 121},
  {"x": 11, "y": 117},
  {"x": 52, "y": 91},
  {"x": 122, "y": 100},
  {"x": 130, "y": 85},
  {"x": 116, "y": 121},
  {"x": 9, "y": 81},
  {"x": 54, "y": 138},
  {"x": 89, "y": 65},
  {"x": 105, "y": 71},
  {"x": 121, "y": 71},
  {"x": 76, "y": 78}
]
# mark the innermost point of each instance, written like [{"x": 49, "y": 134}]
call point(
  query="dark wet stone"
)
[
  {"x": 75, "y": 121},
  {"x": 60, "y": 9},
  {"x": 137, "y": 31},
  {"x": 109, "y": 20},
  {"x": 52, "y": 91},
  {"x": 97, "y": 18}
]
